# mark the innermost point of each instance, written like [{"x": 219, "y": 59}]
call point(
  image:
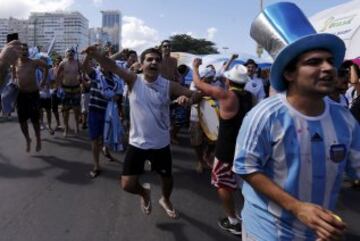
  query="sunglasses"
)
[{"x": 166, "y": 46}]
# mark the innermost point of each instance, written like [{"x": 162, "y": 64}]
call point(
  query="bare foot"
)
[
  {"x": 28, "y": 145},
  {"x": 146, "y": 201},
  {"x": 38, "y": 146},
  {"x": 168, "y": 208}
]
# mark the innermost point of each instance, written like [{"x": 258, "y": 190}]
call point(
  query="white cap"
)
[{"x": 237, "y": 74}]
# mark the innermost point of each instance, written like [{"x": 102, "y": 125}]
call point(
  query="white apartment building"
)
[
  {"x": 70, "y": 29},
  {"x": 13, "y": 25}
]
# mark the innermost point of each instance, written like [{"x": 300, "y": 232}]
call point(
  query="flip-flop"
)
[
  {"x": 170, "y": 212},
  {"x": 94, "y": 173},
  {"x": 146, "y": 209}
]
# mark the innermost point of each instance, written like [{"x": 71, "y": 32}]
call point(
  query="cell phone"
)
[{"x": 12, "y": 36}]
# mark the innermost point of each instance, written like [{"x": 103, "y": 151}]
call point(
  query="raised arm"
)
[
  {"x": 208, "y": 90},
  {"x": 110, "y": 65},
  {"x": 228, "y": 63},
  {"x": 8, "y": 56},
  {"x": 354, "y": 78}
]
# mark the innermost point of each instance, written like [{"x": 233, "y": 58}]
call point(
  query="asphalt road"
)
[{"x": 48, "y": 196}]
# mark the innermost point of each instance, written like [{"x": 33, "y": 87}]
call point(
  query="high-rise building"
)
[
  {"x": 70, "y": 29},
  {"x": 13, "y": 25},
  {"x": 98, "y": 36},
  {"x": 111, "y": 26}
]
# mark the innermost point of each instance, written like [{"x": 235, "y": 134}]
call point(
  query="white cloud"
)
[
  {"x": 211, "y": 33},
  {"x": 137, "y": 35},
  {"x": 22, "y": 8},
  {"x": 97, "y": 2}
]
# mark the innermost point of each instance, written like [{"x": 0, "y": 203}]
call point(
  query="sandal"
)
[
  {"x": 170, "y": 212},
  {"x": 146, "y": 209},
  {"x": 94, "y": 173}
]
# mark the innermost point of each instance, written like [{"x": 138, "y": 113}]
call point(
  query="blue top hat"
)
[{"x": 285, "y": 32}]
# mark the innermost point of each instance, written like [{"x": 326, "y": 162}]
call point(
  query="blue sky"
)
[
  {"x": 147, "y": 22},
  {"x": 230, "y": 19}
]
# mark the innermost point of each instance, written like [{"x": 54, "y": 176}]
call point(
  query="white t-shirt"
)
[
  {"x": 256, "y": 87},
  {"x": 149, "y": 113}
]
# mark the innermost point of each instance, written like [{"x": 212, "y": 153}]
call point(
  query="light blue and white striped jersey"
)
[{"x": 306, "y": 156}]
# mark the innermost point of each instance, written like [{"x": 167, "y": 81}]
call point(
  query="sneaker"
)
[{"x": 232, "y": 228}]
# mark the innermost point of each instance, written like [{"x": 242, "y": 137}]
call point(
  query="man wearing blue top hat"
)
[{"x": 293, "y": 148}]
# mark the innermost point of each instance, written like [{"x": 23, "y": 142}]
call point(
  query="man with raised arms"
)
[{"x": 150, "y": 95}]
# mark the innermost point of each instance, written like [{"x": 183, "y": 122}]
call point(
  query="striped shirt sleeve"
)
[{"x": 253, "y": 144}]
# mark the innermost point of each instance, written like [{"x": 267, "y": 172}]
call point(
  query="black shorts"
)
[
  {"x": 28, "y": 106},
  {"x": 55, "y": 101},
  {"x": 72, "y": 97},
  {"x": 135, "y": 158},
  {"x": 45, "y": 103}
]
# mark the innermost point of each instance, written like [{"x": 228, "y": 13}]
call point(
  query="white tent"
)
[
  {"x": 344, "y": 21},
  {"x": 218, "y": 59}
]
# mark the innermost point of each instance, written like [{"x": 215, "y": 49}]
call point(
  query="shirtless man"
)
[
  {"x": 68, "y": 77},
  {"x": 169, "y": 71},
  {"x": 168, "y": 68},
  {"x": 28, "y": 101}
]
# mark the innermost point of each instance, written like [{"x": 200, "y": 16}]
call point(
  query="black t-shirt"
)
[{"x": 228, "y": 129}]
